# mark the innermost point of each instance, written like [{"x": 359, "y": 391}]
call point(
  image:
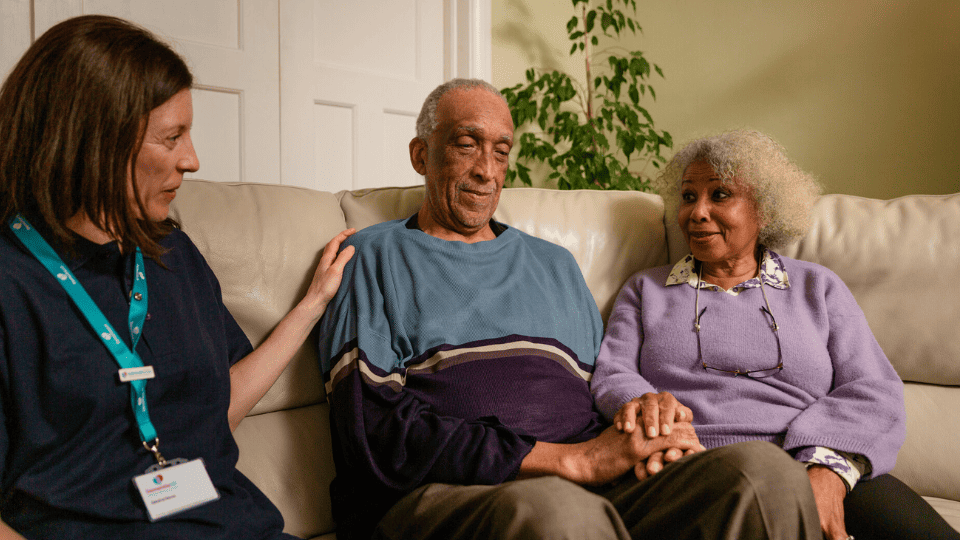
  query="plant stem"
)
[
  {"x": 586, "y": 62},
  {"x": 589, "y": 85}
]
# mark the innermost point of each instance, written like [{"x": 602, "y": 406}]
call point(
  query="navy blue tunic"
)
[{"x": 69, "y": 445}]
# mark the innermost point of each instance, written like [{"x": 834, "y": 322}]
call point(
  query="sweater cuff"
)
[
  {"x": 531, "y": 441},
  {"x": 849, "y": 467}
]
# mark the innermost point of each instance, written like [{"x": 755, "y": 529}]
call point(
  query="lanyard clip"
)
[{"x": 156, "y": 452}]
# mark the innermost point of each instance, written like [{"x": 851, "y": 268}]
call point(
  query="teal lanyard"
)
[{"x": 127, "y": 358}]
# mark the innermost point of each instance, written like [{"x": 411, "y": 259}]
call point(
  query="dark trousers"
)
[
  {"x": 884, "y": 508},
  {"x": 751, "y": 490}
]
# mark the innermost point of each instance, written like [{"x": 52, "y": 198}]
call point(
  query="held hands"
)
[
  {"x": 658, "y": 412},
  {"x": 614, "y": 452},
  {"x": 655, "y": 414},
  {"x": 327, "y": 277}
]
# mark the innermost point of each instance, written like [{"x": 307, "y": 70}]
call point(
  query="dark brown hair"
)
[{"x": 73, "y": 113}]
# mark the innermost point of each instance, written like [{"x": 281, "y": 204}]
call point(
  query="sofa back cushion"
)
[
  {"x": 263, "y": 242},
  {"x": 900, "y": 259}
]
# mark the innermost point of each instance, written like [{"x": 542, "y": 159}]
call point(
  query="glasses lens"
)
[
  {"x": 764, "y": 373},
  {"x": 753, "y": 374},
  {"x": 758, "y": 374}
]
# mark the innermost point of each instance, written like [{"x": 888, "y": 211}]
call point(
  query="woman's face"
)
[
  {"x": 167, "y": 152},
  {"x": 720, "y": 222}
]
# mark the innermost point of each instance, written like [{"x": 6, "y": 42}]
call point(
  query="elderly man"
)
[{"x": 457, "y": 357}]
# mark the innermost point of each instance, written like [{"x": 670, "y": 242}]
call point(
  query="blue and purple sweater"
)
[{"x": 446, "y": 362}]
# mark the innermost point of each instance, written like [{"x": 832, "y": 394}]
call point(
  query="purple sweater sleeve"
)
[
  {"x": 617, "y": 379},
  {"x": 864, "y": 411}
]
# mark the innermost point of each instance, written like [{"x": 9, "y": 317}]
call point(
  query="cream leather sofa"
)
[{"x": 901, "y": 259}]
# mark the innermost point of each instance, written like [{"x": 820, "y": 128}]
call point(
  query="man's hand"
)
[
  {"x": 829, "y": 491},
  {"x": 607, "y": 457},
  {"x": 614, "y": 452}
]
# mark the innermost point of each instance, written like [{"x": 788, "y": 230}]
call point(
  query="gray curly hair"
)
[
  {"x": 783, "y": 192},
  {"x": 427, "y": 121}
]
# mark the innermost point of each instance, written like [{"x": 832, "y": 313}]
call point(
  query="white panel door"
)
[
  {"x": 353, "y": 77},
  {"x": 232, "y": 48}
]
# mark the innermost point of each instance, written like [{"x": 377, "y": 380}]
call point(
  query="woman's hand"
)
[
  {"x": 658, "y": 460},
  {"x": 657, "y": 412},
  {"x": 327, "y": 277},
  {"x": 829, "y": 491},
  {"x": 6, "y": 533}
]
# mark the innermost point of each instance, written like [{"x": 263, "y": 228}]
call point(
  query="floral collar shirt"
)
[{"x": 771, "y": 272}]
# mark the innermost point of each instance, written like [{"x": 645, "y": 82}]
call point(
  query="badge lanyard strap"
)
[{"x": 125, "y": 357}]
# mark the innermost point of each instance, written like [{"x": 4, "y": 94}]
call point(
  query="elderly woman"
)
[
  {"x": 755, "y": 345},
  {"x": 122, "y": 374}
]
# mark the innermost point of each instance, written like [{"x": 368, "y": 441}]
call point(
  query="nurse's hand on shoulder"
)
[
  {"x": 254, "y": 374},
  {"x": 328, "y": 275}
]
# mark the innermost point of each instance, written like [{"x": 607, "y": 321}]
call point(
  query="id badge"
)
[{"x": 174, "y": 489}]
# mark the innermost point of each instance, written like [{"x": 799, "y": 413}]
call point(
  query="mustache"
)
[{"x": 463, "y": 186}]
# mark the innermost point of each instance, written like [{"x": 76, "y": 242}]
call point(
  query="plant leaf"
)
[{"x": 609, "y": 149}]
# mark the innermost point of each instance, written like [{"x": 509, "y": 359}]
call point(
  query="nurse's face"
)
[{"x": 166, "y": 154}]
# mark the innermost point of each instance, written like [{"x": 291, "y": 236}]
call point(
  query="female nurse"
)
[{"x": 122, "y": 374}]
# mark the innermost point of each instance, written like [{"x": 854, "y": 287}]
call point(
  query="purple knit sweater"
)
[{"x": 837, "y": 388}]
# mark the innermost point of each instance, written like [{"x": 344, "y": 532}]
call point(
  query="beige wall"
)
[{"x": 863, "y": 93}]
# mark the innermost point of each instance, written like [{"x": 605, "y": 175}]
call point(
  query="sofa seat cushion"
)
[
  {"x": 287, "y": 454},
  {"x": 950, "y": 510}
]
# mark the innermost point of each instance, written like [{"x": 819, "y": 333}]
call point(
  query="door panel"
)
[{"x": 381, "y": 79}]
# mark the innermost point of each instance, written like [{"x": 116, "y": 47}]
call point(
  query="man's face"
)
[{"x": 465, "y": 164}]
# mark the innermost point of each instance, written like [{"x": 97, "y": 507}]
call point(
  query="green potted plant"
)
[{"x": 593, "y": 132}]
